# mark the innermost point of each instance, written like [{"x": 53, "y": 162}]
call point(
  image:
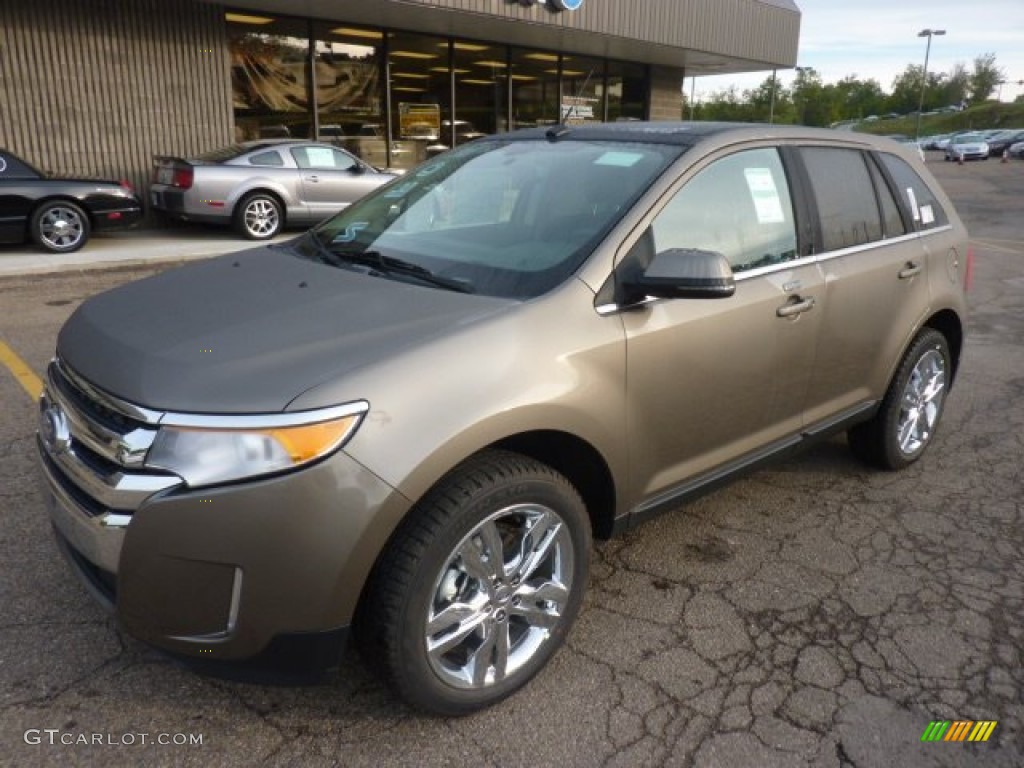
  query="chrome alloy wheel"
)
[
  {"x": 504, "y": 588},
  {"x": 61, "y": 228},
  {"x": 261, "y": 217},
  {"x": 921, "y": 403}
]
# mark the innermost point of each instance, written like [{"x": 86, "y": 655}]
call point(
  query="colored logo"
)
[{"x": 959, "y": 730}]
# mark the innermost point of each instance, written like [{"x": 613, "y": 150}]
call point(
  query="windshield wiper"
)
[{"x": 391, "y": 265}]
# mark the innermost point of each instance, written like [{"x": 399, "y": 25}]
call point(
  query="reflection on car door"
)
[
  {"x": 717, "y": 381},
  {"x": 330, "y": 179}
]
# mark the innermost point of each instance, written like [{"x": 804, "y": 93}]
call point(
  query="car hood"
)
[{"x": 249, "y": 332}]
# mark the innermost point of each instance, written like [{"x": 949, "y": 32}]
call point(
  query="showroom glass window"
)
[
  {"x": 481, "y": 91},
  {"x": 738, "y": 206},
  {"x": 347, "y": 64},
  {"x": 420, "y": 94},
  {"x": 627, "y": 91},
  {"x": 848, "y": 212},
  {"x": 533, "y": 82},
  {"x": 269, "y": 82},
  {"x": 582, "y": 90}
]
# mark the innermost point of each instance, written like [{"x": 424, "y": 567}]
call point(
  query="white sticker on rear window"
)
[
  {"x": 619, "y": 159},
  {"x": 927, "y": 215},
  {"x": 765, "y": 195},
  {"x": 913, "y": 203}
]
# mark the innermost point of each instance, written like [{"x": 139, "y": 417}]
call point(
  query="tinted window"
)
[
  {"x": 324, "y": 158},
  {"x": 266, "y": 158},
  {"x": 738, "y": 206},
  {"x": 924, "y": 208},
  {"x": 892, "y": 221},
  {"x": 845, "y": 196}
]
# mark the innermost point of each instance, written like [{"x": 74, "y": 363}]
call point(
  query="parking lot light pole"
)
[{"x": 924, "y": 76}]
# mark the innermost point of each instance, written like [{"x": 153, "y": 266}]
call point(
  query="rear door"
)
[
  {"x": 712, "y": 383},
  {"x": 876, "y": 283}
]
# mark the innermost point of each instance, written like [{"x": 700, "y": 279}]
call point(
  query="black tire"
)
[
  {"x": 432, "y": 569},
  {"x": 258, "y": 216},
  {"x": 905, "y": 424},
  {"x": 59, "y": 226}
]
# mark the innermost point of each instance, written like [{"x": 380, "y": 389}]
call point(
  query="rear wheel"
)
[
  {"x": 59, "y": 226},
  {"x": 909, "y": 415},
  {"x": 258, "y": 216},
  {"x": 479, "y": 586}
]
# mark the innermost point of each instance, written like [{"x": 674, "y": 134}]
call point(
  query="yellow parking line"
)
[{"x": 24, "y": 375}]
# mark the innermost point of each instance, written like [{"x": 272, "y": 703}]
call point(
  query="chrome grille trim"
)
[
  {"x": 104, "y": 399},
  {"x": 128, "y": 449}
]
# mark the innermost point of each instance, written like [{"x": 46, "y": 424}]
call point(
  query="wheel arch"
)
[
  {"x": 262, "y": 190},
  {"x": 579, "y": 462},
  {"x": 59, "y": 198},
  {"x": 948, "y": 323}
]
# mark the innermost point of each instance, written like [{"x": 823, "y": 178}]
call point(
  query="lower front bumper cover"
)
[{"x": 222, "y": 573}]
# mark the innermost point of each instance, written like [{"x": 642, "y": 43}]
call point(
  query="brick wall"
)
[{"x": 96, "y": 87}]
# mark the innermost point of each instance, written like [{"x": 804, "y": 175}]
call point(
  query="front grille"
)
[
  {"x": 94, "y": 448},
  {"x": 89, "y": 407}
]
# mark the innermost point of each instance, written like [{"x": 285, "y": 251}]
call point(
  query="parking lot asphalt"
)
[{"x": 813, "y": 614}]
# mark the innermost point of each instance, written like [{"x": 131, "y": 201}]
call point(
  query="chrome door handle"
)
[
  {"x": 313, "y": 178},
  {"x": 910, "y": 270},
  {"x": 795, "y": 307}
]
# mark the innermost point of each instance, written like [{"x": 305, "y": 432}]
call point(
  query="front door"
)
[{"x": 713, "y": 382}]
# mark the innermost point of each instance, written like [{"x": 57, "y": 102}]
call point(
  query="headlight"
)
[{"x": 205, "y": 450}]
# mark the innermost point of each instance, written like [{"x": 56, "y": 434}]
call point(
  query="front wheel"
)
[
  {"x": 906, "y": 421},
  {"x": 479, "y": 586}
]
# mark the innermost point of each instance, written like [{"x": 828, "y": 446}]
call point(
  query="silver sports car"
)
[{"x": 260, "y": 186}]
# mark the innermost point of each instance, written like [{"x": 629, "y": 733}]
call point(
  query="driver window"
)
[
  {"x": 738, "y": 206},
  {"x": 322, "y": 158}
]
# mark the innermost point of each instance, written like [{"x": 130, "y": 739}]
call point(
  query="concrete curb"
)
[{"x": 126, "y": 249}]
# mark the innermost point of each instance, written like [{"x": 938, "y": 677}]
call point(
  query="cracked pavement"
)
[{"x": 817, "y": 613}]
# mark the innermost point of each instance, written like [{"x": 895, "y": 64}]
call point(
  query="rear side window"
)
[
  {"x": 892, "y": 219},
  {"x": 267, "y": 158},
  {"x": 917, "y": 196},
  {"x": 847, "y": 207},
  {"x": 738, "y": 206}
]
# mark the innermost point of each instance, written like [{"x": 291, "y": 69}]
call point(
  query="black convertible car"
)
[{"x": 58, "y": 214}]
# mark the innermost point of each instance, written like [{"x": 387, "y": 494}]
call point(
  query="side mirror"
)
[
  {"x": 684, "y": 273},
  {"x": 357, "y": 169}
]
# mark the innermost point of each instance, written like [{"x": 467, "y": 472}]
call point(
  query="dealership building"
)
[{"x": 97, "y": 87}]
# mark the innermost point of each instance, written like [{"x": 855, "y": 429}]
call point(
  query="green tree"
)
[
  {"x": 812, "y": 102},
  {"x": 985, "y": 77}
]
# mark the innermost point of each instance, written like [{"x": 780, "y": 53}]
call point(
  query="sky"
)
[{"x": 878, "y": 39}]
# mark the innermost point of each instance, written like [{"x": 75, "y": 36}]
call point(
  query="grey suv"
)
[{"x": 410, "y": 421}]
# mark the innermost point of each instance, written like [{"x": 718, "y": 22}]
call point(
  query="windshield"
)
[{"x": 502, "y": 218}]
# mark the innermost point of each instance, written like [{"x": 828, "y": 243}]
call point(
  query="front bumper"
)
[{"x": 225, "y": 573}]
